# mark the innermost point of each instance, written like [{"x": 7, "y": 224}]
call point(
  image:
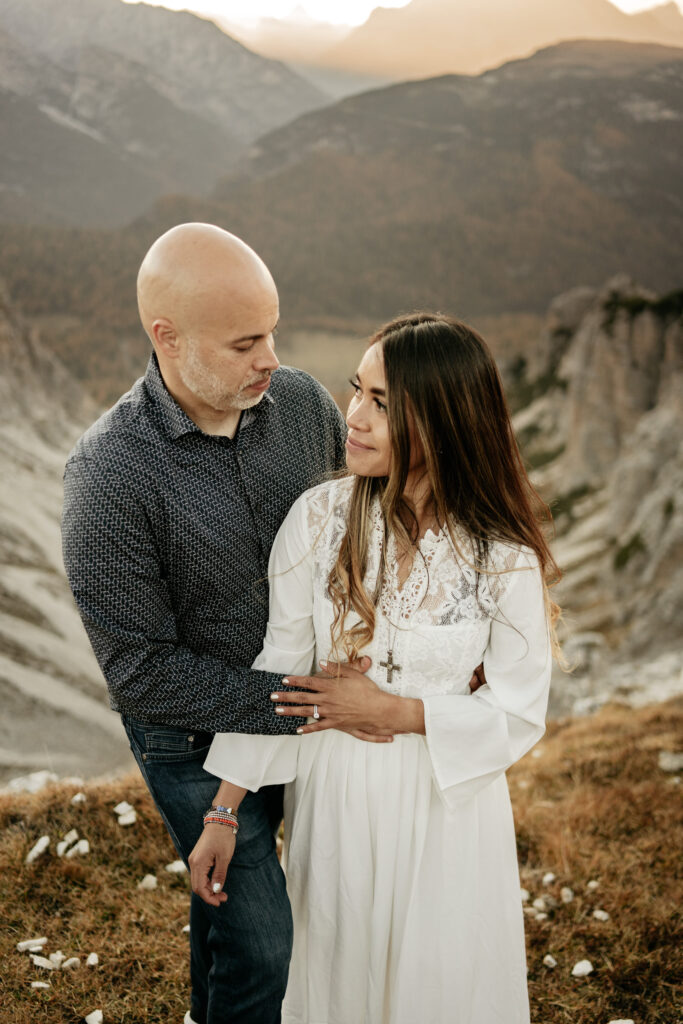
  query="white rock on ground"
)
[
  {"x": 92, "y": 960},
  {"x": 549, "y": 960},
  {"x": 540, "y": 904},
  {"x": 31, "y": 783},
  {"x": 601, "y": 915},
  {"x": 149, "y": 882},
  {"x": 566, "y": 894},
  {"x": 38, "y": 849},
  {"x": 176, "y": 867},
  {"x": 186, "y": 929},
  {"x": 548, "y": 878},
  {"x": 78, "y": 798},
  {"x": 582, "y": 968},
  {"x": 128, "y": 819},
  {"x": 57, "y": 958},
  {"x": 525, "y": 895},
  {"x": 123, "y": 808},
  {"x": 593, "y": 885},
  {"x": 31, "y": 944},
  {"x": 81, "y": 848},
  {"x": 96, "y": 1017},
  {"x": 622, "y": 1021},
  {"x": 42, "y": 961},
  {"x": 541, "y": 916},
  {"x": 69, "y": 839},
  {"x": 71, "y": 963},
  {"x": 40, "y": 984},
  {"x": 670, "y": 762}
]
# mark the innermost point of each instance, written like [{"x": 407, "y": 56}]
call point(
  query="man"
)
[{"x": 172, "y": 502}]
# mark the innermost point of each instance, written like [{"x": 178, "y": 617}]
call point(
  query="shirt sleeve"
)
[
  {"x": 473, "y": 738},
  {"x": 289, "y": 645},
  {"x": 118, "y": 582}
]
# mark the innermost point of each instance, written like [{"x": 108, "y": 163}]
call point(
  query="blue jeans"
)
[{"x": 239, "y": 951}]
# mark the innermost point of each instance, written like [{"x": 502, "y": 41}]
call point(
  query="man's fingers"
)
[
  {"x": 218, "y": 876},
  {"x": 478, "y": 678}
]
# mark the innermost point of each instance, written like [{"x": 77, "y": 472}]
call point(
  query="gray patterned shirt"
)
[{"x": 166, "y": 537}]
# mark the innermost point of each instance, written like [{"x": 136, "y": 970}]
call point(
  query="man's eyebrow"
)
[
  {"x": 373, "y": 391},
  {"x": 252, "y": 337}
]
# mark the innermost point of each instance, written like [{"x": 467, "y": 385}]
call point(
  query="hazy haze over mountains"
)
[
  {"x": 129, "y": 102},
  {"x": 431, "y": 37}
]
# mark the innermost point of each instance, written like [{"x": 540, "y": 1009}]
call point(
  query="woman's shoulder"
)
[
  {"x": 323, "y": 503},
  {"x": 506, "y": 555}
]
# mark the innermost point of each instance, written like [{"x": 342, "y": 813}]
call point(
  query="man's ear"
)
[{"x": 165, "y": 337}]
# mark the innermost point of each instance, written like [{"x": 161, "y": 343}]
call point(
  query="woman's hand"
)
[
  {"x": 346, "y": 699},
  {"x": 209, "y": 862}
]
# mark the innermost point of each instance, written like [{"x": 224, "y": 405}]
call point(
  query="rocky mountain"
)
[
  {"x": 107, "y": 105},
  {"x": 55, "y": 713},
  {"x": 605, "y": 433},
  {"x": 433, "y": 37},
  {"x": 479, "y": 194},
  {"x": 484, "y": 195}
]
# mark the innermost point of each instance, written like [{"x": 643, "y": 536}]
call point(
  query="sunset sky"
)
[{"x": 340, "y": 12}]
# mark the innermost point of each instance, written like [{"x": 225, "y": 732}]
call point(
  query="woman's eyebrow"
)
[{"x": 373, "y": 391}]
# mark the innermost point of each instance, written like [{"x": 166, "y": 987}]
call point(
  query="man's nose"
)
[{"x": 266, "y": 358}]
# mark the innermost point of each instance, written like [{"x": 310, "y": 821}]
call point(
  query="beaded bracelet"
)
[{"x": 222, "y": 816}]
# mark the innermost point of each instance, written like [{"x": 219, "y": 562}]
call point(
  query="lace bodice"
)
[{"x": 436, "y": 625}]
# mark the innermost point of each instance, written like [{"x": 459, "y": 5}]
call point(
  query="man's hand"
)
[
  {"x": 209, "y": 862},
  {"x": 478, "y": 678}
]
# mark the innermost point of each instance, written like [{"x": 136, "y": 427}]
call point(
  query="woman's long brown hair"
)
[{"x": 441, "y": 376}]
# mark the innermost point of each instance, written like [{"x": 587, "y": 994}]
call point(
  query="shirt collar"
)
[{"x": 175, "y": 420}]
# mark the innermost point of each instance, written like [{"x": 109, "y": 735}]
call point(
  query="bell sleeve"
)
[
  {"x": 252, "y": 761},
  {"x": 474, "y": 738}
]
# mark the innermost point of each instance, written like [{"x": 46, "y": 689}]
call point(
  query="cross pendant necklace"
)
[{"x": 389, "y": 665}]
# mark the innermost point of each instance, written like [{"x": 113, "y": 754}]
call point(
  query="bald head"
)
[
  {"x": 192, "y": 267},
  {"x": 210, "y": 308}
]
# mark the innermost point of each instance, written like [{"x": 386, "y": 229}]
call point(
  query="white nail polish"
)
[
  {"x": 275, "y": 696},
  {"x": 217, "y": 886},
  {"x": 300, "y": 730}
]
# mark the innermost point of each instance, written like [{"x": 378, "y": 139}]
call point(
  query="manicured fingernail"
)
[
  {"x": 279, "y": 711},
  {"x": 275, "y": 696},
  {"x": 286, "y": 682},
  {"x": 300, "y": 730},
  {"x": 323, "y": 664},
  {"x": 217, "y": 886}
]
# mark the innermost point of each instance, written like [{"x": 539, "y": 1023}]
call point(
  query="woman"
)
[{"x": 429, "y": 558}]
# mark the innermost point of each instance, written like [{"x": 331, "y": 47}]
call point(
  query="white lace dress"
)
[{"x": 400, "y": 858}]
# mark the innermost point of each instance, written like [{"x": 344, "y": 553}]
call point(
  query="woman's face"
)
[{"x": 368, "y": 446}]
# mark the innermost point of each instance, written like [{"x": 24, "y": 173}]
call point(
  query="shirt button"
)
[{"x": 190, "y": 739}]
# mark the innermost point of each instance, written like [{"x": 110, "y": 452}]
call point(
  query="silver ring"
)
[{"x": 316, "y": 713}]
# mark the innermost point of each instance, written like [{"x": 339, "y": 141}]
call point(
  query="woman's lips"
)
[{"x": 350, "y": 443}]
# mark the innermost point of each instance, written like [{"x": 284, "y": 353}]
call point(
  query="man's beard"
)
[{"x": 210, "y": 388}]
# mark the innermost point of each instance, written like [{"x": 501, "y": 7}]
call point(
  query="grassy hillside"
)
[{"x": 593, "y": 807}]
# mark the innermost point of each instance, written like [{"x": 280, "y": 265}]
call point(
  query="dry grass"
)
[{"x": 595, "y": 805}]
